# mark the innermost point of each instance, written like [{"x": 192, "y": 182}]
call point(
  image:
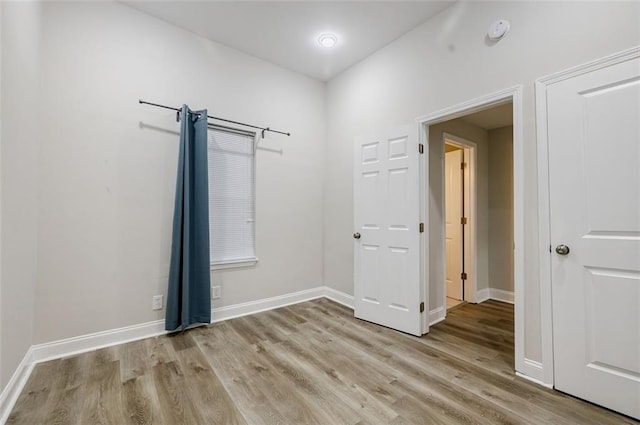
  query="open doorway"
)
[
  {"x": 460, "y": 219},
  {"x": 454, "y": 216},
  {"x": 475, "y": 153}
]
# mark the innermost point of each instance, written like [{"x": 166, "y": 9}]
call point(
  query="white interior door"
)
[
  {"x": 386, "y": 217},
  {"x": 594, "y": 162},
  {"x": 453, "y": 225}
]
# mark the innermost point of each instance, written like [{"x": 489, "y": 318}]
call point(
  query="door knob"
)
[
  {"x": 562, "y": 249},
  {"x": 356, "y": 236}
]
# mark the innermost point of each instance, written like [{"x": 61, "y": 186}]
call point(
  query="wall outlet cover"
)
[
  {"x": 216, "y": 292},
  {"x": 156, "y": 302}
]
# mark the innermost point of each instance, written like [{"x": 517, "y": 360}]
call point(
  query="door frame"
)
[
  {"x": 544, "y": 204},
  {"x": 470, "y": 179},
  {"x": 515, "y": 96}
]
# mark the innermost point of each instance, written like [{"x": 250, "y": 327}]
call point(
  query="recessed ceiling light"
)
[{"x": 327, "y": 40}]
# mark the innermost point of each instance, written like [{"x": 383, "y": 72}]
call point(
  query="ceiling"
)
[
  {"x": 286, "y": 33},
  {"x": 489, "y": 119}
]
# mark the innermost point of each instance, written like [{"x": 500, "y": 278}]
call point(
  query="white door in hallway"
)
[
  {"x": 594, "y": 173},
  {"x": 453, "y": 225},
  {"x": 386, "y": 232}
]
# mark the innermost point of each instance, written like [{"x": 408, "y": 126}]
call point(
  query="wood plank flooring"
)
[{"x": 310, "y": 363}]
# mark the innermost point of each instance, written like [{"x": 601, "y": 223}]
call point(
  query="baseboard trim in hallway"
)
[{"x": 494, "y": 294}]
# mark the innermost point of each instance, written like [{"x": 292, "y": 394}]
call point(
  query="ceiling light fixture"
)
[{"x": 328, "y": 40}]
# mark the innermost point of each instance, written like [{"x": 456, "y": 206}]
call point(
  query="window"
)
[{"x": 231, "y": 157}]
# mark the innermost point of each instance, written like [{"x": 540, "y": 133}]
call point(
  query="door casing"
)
[{"x": 524, "y": 367}]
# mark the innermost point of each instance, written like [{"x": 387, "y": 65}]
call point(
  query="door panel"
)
[
  {"x": 453, "y": 227},
  {"x": 594, "y": 158},
  {"x": 370, "y": 273},
  {"x": 386, "y": 215}
]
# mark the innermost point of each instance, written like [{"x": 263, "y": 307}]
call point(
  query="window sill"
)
[{"x": 235, "y": 264}]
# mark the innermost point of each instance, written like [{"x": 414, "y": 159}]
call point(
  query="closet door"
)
[{"x": 594, "y": 163}]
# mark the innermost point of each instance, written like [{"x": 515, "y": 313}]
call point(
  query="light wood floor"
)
[
  {"x": 452, "y": 302},
  {"x": 311, "y": 363}
]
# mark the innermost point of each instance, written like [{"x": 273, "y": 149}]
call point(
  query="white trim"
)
[
  {"x": 339, "y": 297},
  {"x": 423, "y": 139},
  {"x": 437, "y": 315},
  {"x": 482, "y": 295},
  {"x": 16, "y": 384},
  {"x": 594, "y": 65},
  {"x": 252, "y": 307},
  {"x": 471, "y": 208},
  {"x": 515, "y": 95},
  {"x": 234, "y": 264},
  {"x": 465, "y": 108},
  {"x": 494, "y": 294},
  {"x": 544, "y": 207},
  {"x": 544, "y": 232},
  {"x": 84, "y": 343},
  {"x": 501, "y": 295},
  {"x": 81, "y": 344}
]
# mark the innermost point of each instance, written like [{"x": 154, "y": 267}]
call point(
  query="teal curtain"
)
[{"x": 188, "y": 295}]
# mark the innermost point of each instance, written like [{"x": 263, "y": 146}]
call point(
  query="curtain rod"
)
[{"x": 219, "y": 119}]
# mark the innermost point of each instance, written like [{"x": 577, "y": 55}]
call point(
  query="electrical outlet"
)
[
  {"x": 216, "y": 292},
  {"x": 156, "y": 302}
]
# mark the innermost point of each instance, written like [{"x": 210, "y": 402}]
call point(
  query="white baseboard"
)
[
  {"x": 482, "y": 295},
  {"x": 501, "y": 295},
  {"x": 437, "y": 315},
  {"x": 339, "y": 297},
  {"x": 14, "y": 387},
  {"x": 265, "y": 304},
  {"x": 82, "y": 344},
  {"x": 494, "y": 294}
]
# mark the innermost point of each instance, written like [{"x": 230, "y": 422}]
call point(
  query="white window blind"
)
[{"x": 231, "y": 196}]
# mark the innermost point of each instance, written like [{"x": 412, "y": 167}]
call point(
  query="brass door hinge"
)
[
  {"x": 422, "y": 307},
  {"x": 463, "y": 220},
  {"x": 420, "y": 148},
  {"x": 421, "y": 227},
  {"x": 463, "y": 276},
  {"x": 463, "y": 165}
]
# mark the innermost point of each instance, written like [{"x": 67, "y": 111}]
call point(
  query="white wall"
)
[
  {"x": 446, "y": 61},
  {"x": 21, "y": 38},
  {"x": 96, "y": 171},
  {"x": 500, "y": 206}
]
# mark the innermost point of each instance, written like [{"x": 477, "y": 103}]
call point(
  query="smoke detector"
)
[{"x": 498, "y": 29}]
